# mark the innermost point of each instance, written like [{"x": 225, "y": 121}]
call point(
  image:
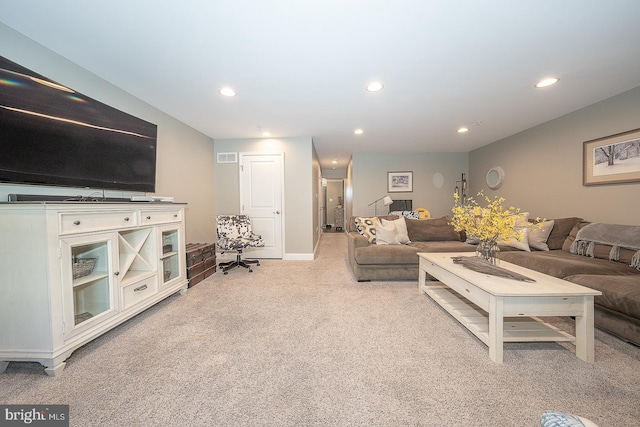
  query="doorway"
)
[
  {"x": 334, "y": 202},
  {"x": 261, "y": 190}
]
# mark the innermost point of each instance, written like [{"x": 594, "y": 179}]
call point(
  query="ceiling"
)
[{"x": 300, "y": 68}]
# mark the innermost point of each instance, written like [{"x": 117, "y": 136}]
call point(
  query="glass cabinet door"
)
[
  {"x": 171, "y": 263},
  {"x": 88, "y": 281}
]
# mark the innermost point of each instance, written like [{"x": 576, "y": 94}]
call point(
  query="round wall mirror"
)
[
  {"x": 495, "y": 177},
  {"x": 438, "y": 180}
]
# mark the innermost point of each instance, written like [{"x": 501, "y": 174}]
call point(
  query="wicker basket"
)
[{"x": 83, "y": 267}]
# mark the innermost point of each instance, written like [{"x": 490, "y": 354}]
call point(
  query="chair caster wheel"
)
[
  {"x": 250, "y": 271},
  {"x": 225, "y": 272},
  {"x": 258, "y": 264}
]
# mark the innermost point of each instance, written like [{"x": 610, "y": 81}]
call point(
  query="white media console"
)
[{"x": 70, "y": 272}]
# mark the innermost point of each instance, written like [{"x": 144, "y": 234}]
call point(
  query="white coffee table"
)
[{"x": 499, "y": 310}]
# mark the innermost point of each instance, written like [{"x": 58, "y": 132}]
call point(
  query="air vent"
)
[{"x": 227, "y": 157}]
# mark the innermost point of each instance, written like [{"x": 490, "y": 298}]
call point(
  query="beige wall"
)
[
  {"x": 368, "y": 181},
  {"x": 543, "y": 165},
  {"x": 299, "y": 214},
  {"x": 184, "y": 156}
]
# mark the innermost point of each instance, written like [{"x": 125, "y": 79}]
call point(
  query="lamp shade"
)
[{"x": 387, "y": 200}]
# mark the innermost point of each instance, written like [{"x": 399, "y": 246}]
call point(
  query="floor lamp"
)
[{"x": 386, "y": 200}]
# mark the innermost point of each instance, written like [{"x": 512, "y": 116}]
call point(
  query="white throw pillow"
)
[
  {"x": 522, "y": 228},
  {"x": 539, "y": 234},
  {"x": 401, "y": 229},
  {"x": 387, "y": 234}
]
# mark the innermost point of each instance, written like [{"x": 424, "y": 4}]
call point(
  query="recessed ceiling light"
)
[
  {"x": 227, "y": 91},
  {"x": 334, "y": 161},
  {"x": 375, "y": 86},
  {"x": 463, "y": 130},
  {"x": 547, "y": 82},
  {"x": 266, "y": 133},
  {"x": 358, "y": 131}
]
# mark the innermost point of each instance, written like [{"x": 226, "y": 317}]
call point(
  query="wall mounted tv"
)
[{"x": 52, "y": 135}]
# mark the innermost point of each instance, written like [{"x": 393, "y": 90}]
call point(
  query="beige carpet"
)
[{"x": 298, "y": 343}]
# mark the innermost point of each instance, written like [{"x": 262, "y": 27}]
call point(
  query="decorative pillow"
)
[
  {"x": 561, "y": 229},
  {"x": 522, "y": 228},
  {"x": 387, "y": 233},
  {"x": 571, "y": 237},
  {"x": 427, "y": 230},
  {"x": 406, "y": 214},
  {"x": 401, "y": 229},
  {"x": 559, "y": 419},
  {"x": 539, "y": 234},
  {"x": 367, "y": 227}
]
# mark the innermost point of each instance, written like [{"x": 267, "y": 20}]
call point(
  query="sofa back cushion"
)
[
  {"x": 561, "y": 229},
  {"x": 436, "y": 229}
]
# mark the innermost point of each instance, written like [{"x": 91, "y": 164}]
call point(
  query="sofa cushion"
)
[
  {"x": 561, "y": 229},
  {"x": 351, "y": 224},
  {"x": 619, "y": 293},
  {"x": 521, "y": 228},
  {"x": 367, "y": 227},
  {"x": 400, "y": 227},
  {"x": 387, "y": 233},
  {"x": 571, "y": 237},
  {"x": 406, "y": 214},
  {"x": 431, "y": 229},
  {"x": 559, "y": 263},
  {"x": 386, "y": 254},
  {"x": 443, "y": 246},
  {"x": 405, "y": 254},
  {"x": 539, "y": 235}
]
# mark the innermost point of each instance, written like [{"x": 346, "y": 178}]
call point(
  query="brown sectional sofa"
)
[
  {"x": 616, "y": 311},
  {"x": 400, "y": 262}
]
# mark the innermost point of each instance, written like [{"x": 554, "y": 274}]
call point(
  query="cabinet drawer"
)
[
  {"x": 83, "y": 222},
  {"x": 160, "y": 217},
  {"x": 138, "y": 291}
]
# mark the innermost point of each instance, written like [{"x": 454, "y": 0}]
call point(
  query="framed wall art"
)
[
  {"x": 612, "y": 159},
  {"x": 399, "y": 182}
]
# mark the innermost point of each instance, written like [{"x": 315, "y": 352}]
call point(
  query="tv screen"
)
[{"x": 52, "y": 135}]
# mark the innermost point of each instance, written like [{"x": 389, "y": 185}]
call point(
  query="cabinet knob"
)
[
  {"x": 175, "y": 215},
  {"x": 76, "y": 222},
  {"x": 126, "y": 218},
  {"x": 117, "y": 273},
  {"x": 149, "y": 217}
]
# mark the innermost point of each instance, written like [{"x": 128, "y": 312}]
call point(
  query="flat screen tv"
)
[{"x": 52, "y": 135}]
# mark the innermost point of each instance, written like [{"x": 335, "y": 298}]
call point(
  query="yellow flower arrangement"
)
[{"x": 488, "y": 224}]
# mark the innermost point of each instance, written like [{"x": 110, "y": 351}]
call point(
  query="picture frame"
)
[
  {"x": 613, "y": 159},
  {"x": 400, "y": 182}
]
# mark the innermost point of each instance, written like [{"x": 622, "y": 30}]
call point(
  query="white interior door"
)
[{"x": 261, "y": 180}]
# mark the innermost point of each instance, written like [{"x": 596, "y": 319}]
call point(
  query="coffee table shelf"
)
[
  {"x": 476, "y": 320},
  {"x": 499, "y": 309}
]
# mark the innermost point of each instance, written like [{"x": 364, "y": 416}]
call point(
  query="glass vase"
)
[{"x": 489, "y": 251}]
